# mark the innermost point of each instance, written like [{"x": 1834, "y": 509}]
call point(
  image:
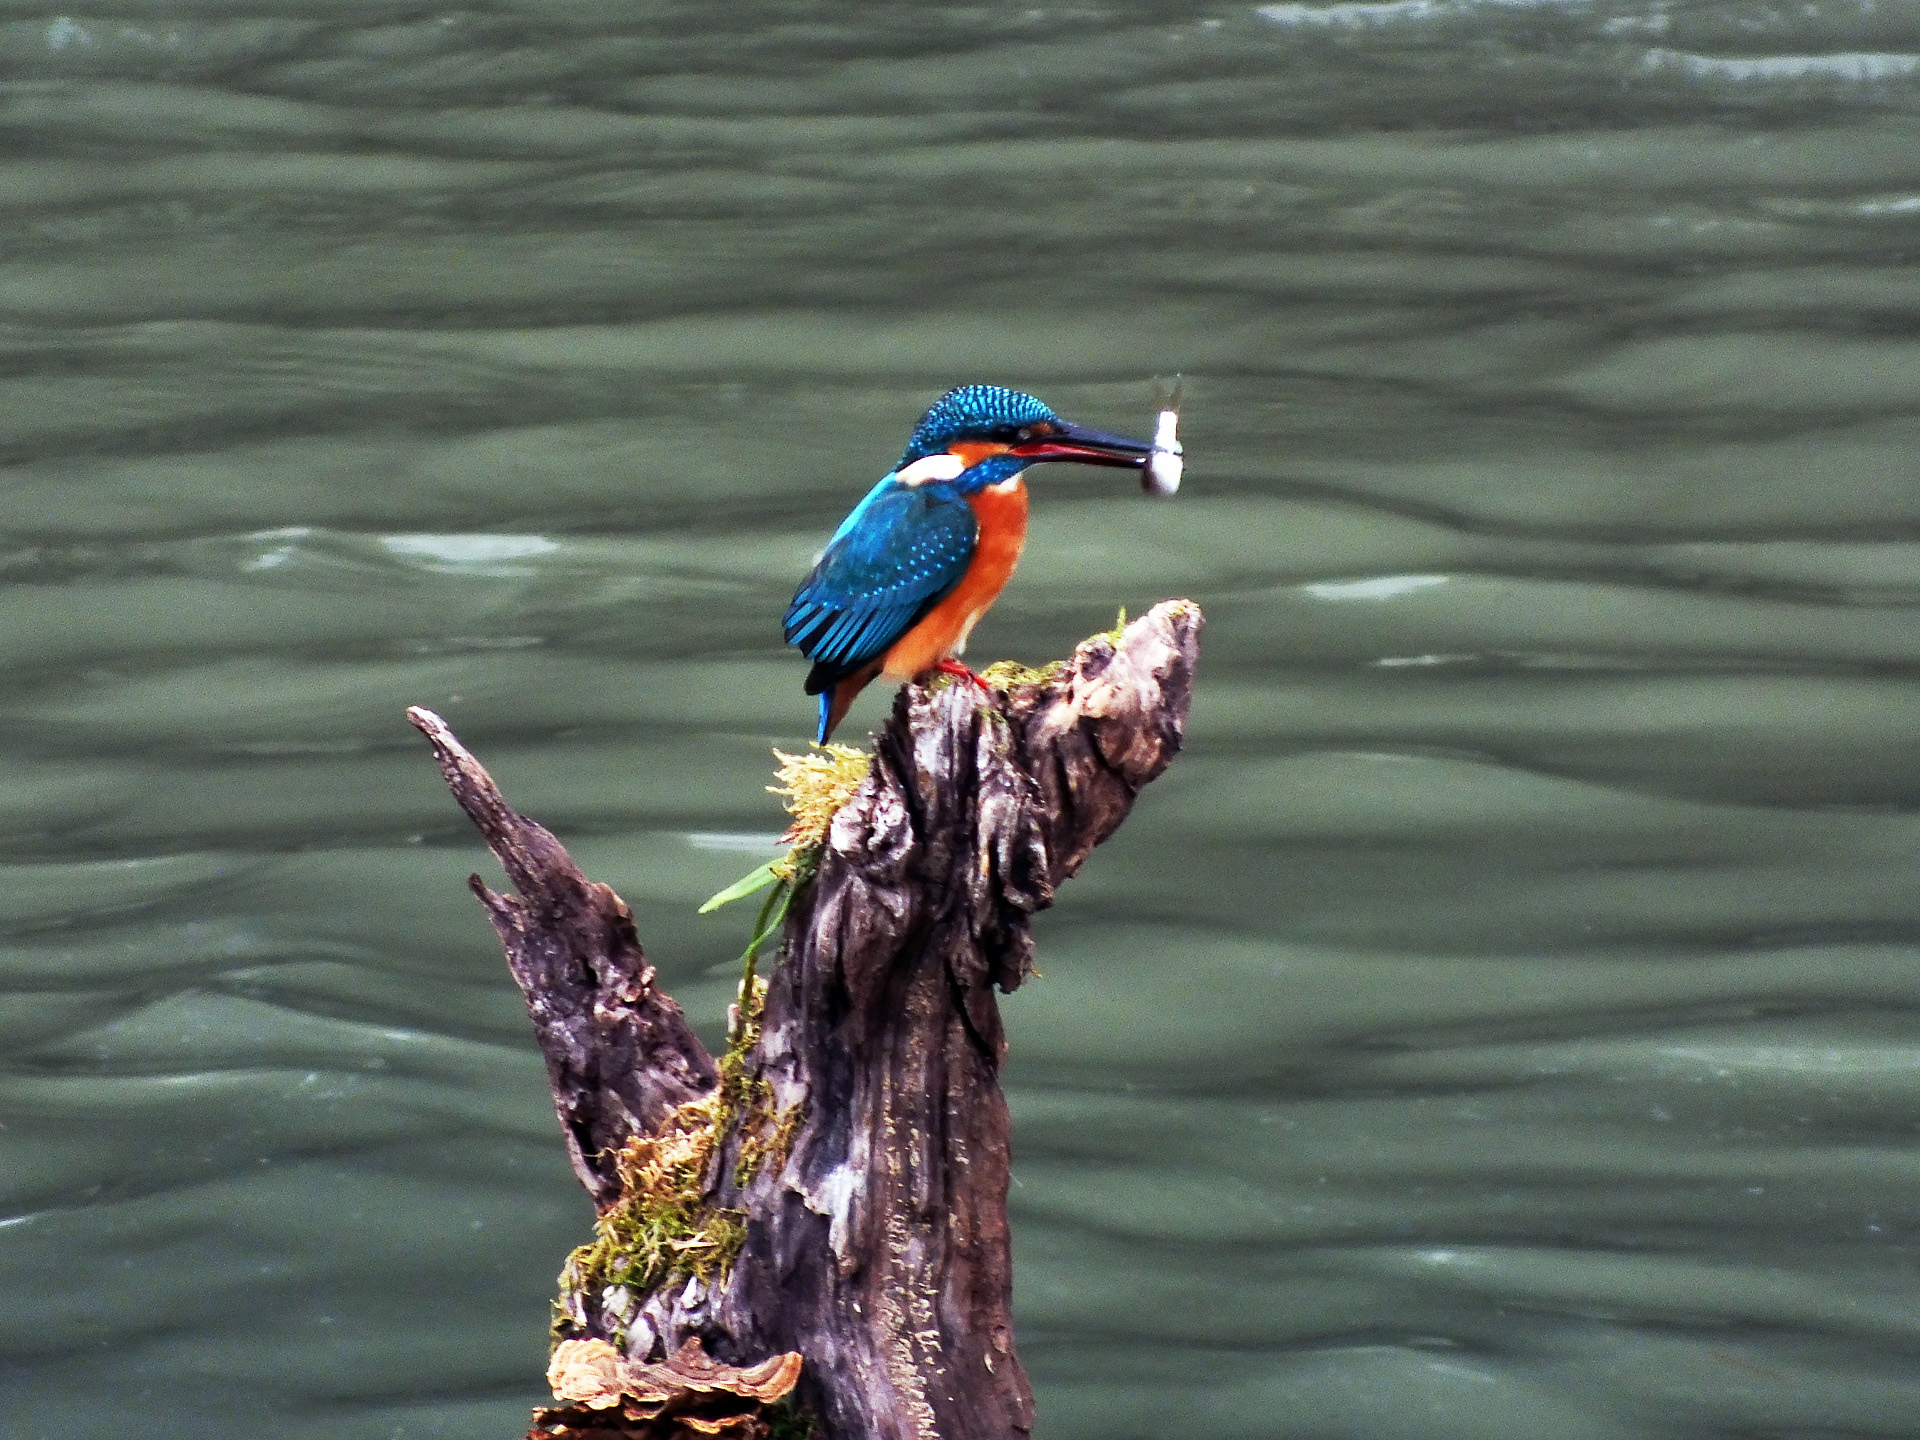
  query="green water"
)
[{"x": 1504, "y": 1021}]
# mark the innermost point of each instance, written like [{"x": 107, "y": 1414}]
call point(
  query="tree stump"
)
[{"x": 834, "y": 1186}]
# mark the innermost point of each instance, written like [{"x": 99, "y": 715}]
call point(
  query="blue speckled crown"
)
[{"x": 971, "y": 410}]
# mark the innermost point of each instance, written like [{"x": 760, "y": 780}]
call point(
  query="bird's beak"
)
[{"x": 1089, "y": 447}]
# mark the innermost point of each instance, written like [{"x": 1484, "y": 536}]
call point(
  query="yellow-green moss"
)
[
  {"x": 766, "y": 1135},
  {"x": 662, "y": 1227},
  {"x": 789, "y": 1421},
  {"x": 1006, "y": 674},
  {"x": 765, "y": 1141},
  {"x": 815, "y": 785}
]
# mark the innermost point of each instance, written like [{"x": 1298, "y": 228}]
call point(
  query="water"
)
[{"x": 1500, "y": 1023}]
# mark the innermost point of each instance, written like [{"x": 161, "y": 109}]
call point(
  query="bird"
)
[{"x": 916, "y": 563}]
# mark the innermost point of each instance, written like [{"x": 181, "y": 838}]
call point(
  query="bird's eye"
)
[{"x": 1025, "y": 433}]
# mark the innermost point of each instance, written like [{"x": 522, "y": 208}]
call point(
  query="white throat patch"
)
[{"x": 931, "y": 467}]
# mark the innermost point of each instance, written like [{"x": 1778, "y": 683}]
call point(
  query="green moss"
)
[
  {"x": 1006, "y": 674},
  {"x": 788, "y": 1421},
  {"x": 765, "y": 1141},
  {"x": 815, "y": 786},
  {"x": 662, "y": 1226},
  {"x": 766, "y": 1135}
]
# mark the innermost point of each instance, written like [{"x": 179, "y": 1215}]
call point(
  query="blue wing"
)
[{"x": 900, "y": 551}]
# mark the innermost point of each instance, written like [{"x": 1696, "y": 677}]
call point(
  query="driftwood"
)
[{"x": 834, "y": 1187}]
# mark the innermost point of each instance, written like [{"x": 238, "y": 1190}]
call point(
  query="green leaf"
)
[
  {"x": 773, "y": 914},
  {"x": 746, "y": 885}
]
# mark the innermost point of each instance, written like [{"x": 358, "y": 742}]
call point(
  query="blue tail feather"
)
[{"x": 826, "y": 714}]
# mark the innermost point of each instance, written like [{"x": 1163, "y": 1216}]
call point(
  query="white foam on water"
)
[{"x": 1374, "y": 587}]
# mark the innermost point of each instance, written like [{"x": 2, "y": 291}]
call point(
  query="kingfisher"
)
[{"x": 912, "y": 569}]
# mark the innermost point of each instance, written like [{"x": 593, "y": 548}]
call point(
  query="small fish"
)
[{"x": 1161, "y": 474}]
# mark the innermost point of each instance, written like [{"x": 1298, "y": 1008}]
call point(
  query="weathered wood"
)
[
  {"x": 864, "y": 1138},
  {"x": 620, "y": 1055}
]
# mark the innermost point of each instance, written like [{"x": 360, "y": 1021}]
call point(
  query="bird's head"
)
[{"x": 978, "y": 424}]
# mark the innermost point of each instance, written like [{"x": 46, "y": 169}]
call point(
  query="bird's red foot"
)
[{"x": 951, "y": 666}]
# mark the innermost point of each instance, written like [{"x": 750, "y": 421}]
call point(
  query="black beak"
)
[{"x": 1089, "y": 447}]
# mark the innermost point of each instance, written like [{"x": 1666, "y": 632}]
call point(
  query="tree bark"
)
[
  {"x": 865, "y": 1143},
  {"x": 620, "y": 1055}
]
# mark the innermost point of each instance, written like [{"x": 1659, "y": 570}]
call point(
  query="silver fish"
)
[{"x": 1161, "y": 474}]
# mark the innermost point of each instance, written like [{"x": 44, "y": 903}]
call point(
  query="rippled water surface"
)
[{"x": 1501, "y": 1022}]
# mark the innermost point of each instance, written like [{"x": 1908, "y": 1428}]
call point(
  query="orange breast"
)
[{"x": 1002, "y": 513}]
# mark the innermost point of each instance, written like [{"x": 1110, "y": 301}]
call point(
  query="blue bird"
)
[{"x": 911, "y": 571}]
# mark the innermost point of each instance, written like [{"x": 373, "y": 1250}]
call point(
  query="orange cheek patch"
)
[{"x": 972, "y": 452}]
